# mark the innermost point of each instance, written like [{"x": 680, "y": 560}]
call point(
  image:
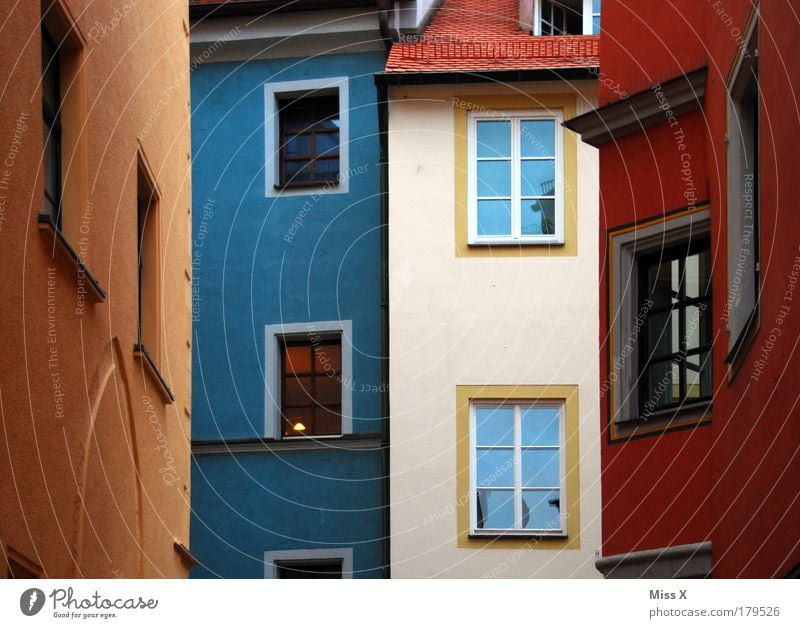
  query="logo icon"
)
[{"x": 31, "y": 601}]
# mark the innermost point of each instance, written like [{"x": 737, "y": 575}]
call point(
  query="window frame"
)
[
  {"x": 742, "y": 322},
  {"x": 587, "y": 19},
  {"x": 274, "y": 337},
  {"x": 515, "y": 238},
  {"x": 52, "y": 121},
  {"x": 624, "y": 247},
  {"x": 274, "y": 93},
  {"x": 517, "y": 404},
  {"x": 273, "y": 558}
]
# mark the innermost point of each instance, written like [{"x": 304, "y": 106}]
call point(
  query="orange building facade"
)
[{"x": 95, "y": 234}]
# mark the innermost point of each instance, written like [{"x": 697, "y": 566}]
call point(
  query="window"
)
[
  {"x": 309, "y": 379},
  {"x": 309, "y": 142},
  {"x": 306, "y": 137},
  {"x": 517, "y": 468},
  {"x": 566, "y": 17},
  {"x": 675, "y": 299},
  {"x": 311, "y": 391},
  {"x": 741, "y": 307},
  {"x": 309, "y": 563},
  {"x": 515, "y": 179},
  {"x": 148, "y": 262},
  {"x": 659, "y": 358},
  {"x": 51, "y": 109}
]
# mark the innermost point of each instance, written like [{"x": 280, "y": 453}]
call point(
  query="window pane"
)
[
  {"x": 494, "y": 218},
  {"x": 538, "y": 216},
  {"x": 494, "y": 178},
  {"x": 297, "y": 390},
  {"x": 327, "y": 142},
  {"x": 698, "y": 275},
  {"x": 539, "y": 177},
  {"x": 540, "y": 425},
  {"x": 495, "y": 467},
  {"x": 538, "y": 138},
  {"x": 595, "y": 6},
  {"x": 328, "y": 358},
  {"x": 494, "y": 426},
  {"x": 541, "y": 510},
  {"x": 328, "y": 421},
  {"x": 494, "y": 138},
  {"x": 540, "y": 467},
  {"x": 495, "y": 509},
  {"x": 298, "y": 421},
  {"x": 697, "y": 327},
  {"x": 329, "y": 390},
  {"x": 663, "y": 282},
  {"x": 596, "y": 25},
  {"x": 662, "y": 385},
  {"x": 297, "y": 172},
  {"x": 50, "y": 164},
  {"x": 296, "y": 359},
  {"x": 326, "y": 169},
  {"x": 663, "y": 333},
  {"x": 698, "y": 375},
  {"x": 298, "y": 146},
  {"x": 309, "y": 570}
]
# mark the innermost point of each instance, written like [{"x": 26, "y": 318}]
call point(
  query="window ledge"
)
[
  {"x": 499, "y": 242},
  {"x": 47, "y": 226},
  {"x": 518, "y": 534},
  {"x": 303, "y": 185},
  {"x": 682, "y": 416},
  {"x": 141, "y": 353}
]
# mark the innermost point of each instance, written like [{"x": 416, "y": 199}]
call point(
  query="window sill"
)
[
  {"x": 686, "y": 415},
  {"x": 48, "y": 227},
  {"x": 303, "y": 185},
  {"x": 140, "y": 353},
  {"x": 312, "y": 437},
  {"x": 517, "y": 534},
  {"x": 498, "y": 242}
]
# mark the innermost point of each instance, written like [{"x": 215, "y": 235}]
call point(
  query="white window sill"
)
[
  {"x": 515, "y": 242},
  {"x": 527, "y": 534}
]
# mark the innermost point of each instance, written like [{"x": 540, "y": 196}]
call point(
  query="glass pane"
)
[
  {"x": 595, "y": 6},
  {"x": 495, "y": 509},
  {"x": 328, "y": 358},
  {"x": 663, "y": 282},
  {"x": 662, "y": 385},
  {"x": 494, "y": 138},
  {"x": 327, "y": 143},
  {"x": 297, "y": 171},
  {"x": 494, "y": 218},
  {"x": 296, "y": 359},
  {"x": 328, "y": 421},
  {"x": 298, "y": 146},
  {"x": 50, "y": 164},
  {"x": 539, "y": 177},
  {"x": 540, "y": 467},
  {"x": 495, "y": 467},
  {"x": 494, "y": 178},
  {"x": 697, "y": 327},
  {"x": 540, "y": 425},
  {"x": 698, "y": 275},
  {"x": 538, "y": 138},
  {"x": 494, "y": 426},
  {"x": 298, "y": 421},
  {"x": 326, "y": 169},
  {"x": 50, "y": 67},
  {"x": 329, "y": 390},
  {"x": 538, "y": 216},
  {"x": 297, "y": 390},
  {"x": 698, "y": 375},
  {"x": 541, "y": 510},
  {"x": 663, "y": 333},
  {"x": 596, "y": 25}
]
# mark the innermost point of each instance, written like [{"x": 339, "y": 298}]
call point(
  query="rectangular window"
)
[
  {"x": 51, "y": 110},
  {"x": 562, "y": 17},
  {"x": 741, "y": 307},
  {"x": 515, "y": 179},
  {"x": 517, "y": 468},
  {"x": 675, "y": 297},
  {"x": 311, "y": 386},
  {"x": 309, "y": 569},
  {"x": 328, "y": 563},
  {"x": 148, "y": 266},
  {"x": 309, "y": 140}
]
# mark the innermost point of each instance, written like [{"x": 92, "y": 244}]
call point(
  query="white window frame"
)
[
  {"x": 626, "y": 249},
  {"x": 293, "y": 89},
  {"x": 587, "y": 17},
  {"x": 516, "y": 237},
  {"x": 517, "y": 530},
  {"x": 273, "y": 335},
  {"x": 345, "y": 554}
]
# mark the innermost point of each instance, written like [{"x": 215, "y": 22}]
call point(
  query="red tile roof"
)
[{"x": 480, "y": 35}]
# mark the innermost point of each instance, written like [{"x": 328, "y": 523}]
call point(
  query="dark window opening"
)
[
  {"x": 148, "y": 261},
  {"x": 302, "y": 569},
  {"x": 311, "y": 387},
  {"x": 561, "y": 17},
  {"x": 309, "y": 140},
  {"x": 16, "y": 570},
  {"x": 51, "y": 111},
  {"x": 676, "y": 338}
]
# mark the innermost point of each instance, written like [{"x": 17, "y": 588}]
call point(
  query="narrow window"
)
[
  {"x": 309, "y": 140},
  {"x": 51, "y": 110},
  {"x": 148, "y": 266},
  {"x": 311, "y": 386},
  {"x": 596, "y": 17}
]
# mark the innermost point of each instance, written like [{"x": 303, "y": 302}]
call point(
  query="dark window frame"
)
[
  {"x": 647, "y": 358},
  {"x": 320, "y": 108},
  {"x": 52, "y": 125}
]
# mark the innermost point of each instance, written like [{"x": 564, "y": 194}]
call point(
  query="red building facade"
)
[{"x": 698, "y": 129}]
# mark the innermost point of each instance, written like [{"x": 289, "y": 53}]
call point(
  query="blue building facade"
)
[{"x": 288, "y": 390}]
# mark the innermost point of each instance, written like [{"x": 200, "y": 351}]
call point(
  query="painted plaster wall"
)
[
  {"x": 462, "y": 320},
  {"x": 101, "y": 446}
]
